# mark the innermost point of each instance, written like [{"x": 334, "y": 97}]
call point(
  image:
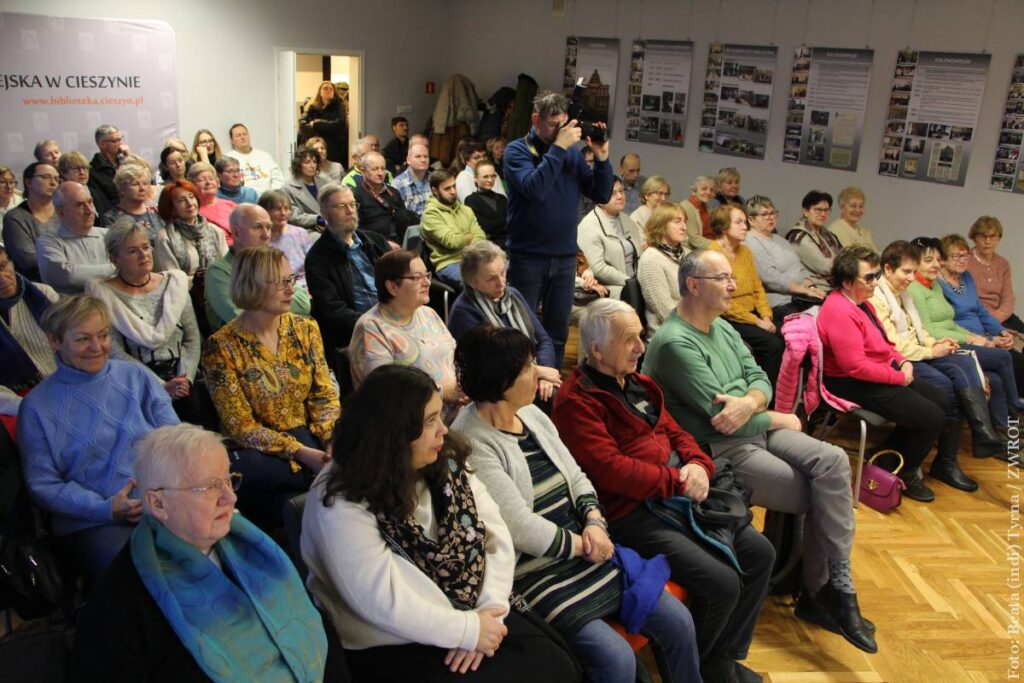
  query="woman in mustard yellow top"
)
[
  {"x": 269, "y": 381},
  {"x": 749, "y": 311}
]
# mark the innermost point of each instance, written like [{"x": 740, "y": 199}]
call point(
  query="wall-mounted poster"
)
[
  {"x": 659, "y": 84},
  {"x": 63, "y": 77},
  {"x": 1008, "y": 169},
  {"x": 933, "y": 113},
  {"x": 596, "y": 61},
  {"x": 828, "y": 93},
  {"x": 737, "y": 99}
]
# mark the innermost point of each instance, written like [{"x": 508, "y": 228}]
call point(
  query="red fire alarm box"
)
[{"x": 430, "y": 87}]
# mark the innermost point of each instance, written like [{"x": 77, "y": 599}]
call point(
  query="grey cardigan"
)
[
  {"x": 499, "y": 463},
  {"x": 305, "y": 208}
]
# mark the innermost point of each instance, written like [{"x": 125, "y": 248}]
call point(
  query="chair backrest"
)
[
  {"x": 292, "y": 513},
  {"x": 634, "y": 296},
  {"x": 343, "y": 373},
  {"x": 412, "y": 238}
]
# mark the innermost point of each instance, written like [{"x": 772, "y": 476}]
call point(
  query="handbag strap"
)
[{"x": 889, "y": 451}]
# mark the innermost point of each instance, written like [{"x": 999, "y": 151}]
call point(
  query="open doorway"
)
[{"x": 300, "y": 73}]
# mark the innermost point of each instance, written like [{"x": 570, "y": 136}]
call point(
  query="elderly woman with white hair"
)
[
  {"x": 698, "y": 213},
  {"x": 151, "y": 315},
  {"x": 77, "y": 428},
  {"x": 133, "y": 184},
  {"x": 487, "y": 298},
  {"x": 198, "y": 593},
  {"x": 293, "y": 240}
]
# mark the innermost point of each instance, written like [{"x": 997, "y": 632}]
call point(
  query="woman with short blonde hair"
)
[
  {"x": 653, "y": 193},
  {"x": 271, "y": 386}
]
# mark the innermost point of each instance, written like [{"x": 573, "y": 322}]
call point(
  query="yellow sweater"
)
[{"x": 749, "y": 301}]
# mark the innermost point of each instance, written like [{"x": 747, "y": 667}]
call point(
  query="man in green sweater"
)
[
  {"x": 250, "y": 227},
  {"x": 448, "y": 227},
  {"x": 716, "y": 391}
]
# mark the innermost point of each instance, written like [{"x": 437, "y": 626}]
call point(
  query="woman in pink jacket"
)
[{"x": 861, "y": 365}]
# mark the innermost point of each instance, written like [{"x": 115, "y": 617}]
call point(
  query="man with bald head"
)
[
  {"x": 629, "y": 171},
  {"x": 381, "y": 208},
  {"x": 412, "y": 183},
  {"x": 74, "y": 253},
  {"x": 250, "y": 227},
  {"x": 716, "y": 391},
  {"x": 362, "y": 147}
]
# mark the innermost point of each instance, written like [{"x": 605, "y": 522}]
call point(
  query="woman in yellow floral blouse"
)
[{"x": 270, "y": 383}]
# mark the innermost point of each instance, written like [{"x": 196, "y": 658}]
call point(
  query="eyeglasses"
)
[
  {"x": 959, "y": 257},
  {"x": 820, "y": 209},
  {"x": 47, "y": 176},
  {"x": 767, "y": 214},
  {"x": 7, "y": 183},
  {"x": 232, "y": 482},
  {"x": 661, "y": 193},
  {"x": 871, "y": 278},
  {"x": 720, "y": 278},
  {"x": 418, "y": 277},
  {"x": 285, "y": 283},
  {"x": 351, "y": 206}
]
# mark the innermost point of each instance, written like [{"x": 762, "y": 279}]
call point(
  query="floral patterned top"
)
[
  {"x": 295, "y": 242},
  {"x": 259, "y": 396},
  {"x": 423, "y": 342}
]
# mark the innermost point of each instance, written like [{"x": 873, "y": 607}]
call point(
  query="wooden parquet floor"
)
[{"x": 941, "y": 581}]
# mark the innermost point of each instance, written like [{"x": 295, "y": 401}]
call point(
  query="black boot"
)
[
  {"x": 946, "y": 467},
  {"x": 916, "y": 488},
  {"x": 845, "y": 612},
  {"x": 986, "y": 442},
  {"x": 809, "y": 609}
]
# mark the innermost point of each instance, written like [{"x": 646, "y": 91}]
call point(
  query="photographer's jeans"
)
[{"x": 548, "y": 282}]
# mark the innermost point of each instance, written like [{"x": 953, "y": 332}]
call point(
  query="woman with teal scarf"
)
[{"x": 198, "y": 593}]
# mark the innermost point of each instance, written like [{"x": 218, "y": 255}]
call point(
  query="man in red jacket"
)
[{"x": 614, "y": 422}]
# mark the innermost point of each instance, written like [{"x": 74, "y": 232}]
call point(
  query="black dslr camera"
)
[{"x": 577, "y": 111}]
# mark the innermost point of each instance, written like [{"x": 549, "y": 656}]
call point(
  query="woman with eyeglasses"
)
[
  {"x": 10, "y": 195},
  {"x": 861, "y": 365},
  {"x": 205, "y": 148},
  {"x": 969, "y": 312},
  {"x": 35, "y": 216},
  {"x": 814, "y": 243},
  {"x": 992, "y": 273},
  {"x": 198, "y": 593},
  {"x": 404, "y": 330},
  {"x": 152, "y": 318},
  {"x": 271, "y": 386},
  {"x": 653, "y": 193},
  {"x": 778, "y": 265},
  {"x": 76, "y": 431}
]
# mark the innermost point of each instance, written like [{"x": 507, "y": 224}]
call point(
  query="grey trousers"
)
[{"x": 793, "y": 472}]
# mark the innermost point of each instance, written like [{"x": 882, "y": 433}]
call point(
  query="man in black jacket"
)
[
  {"x": 339, "y": 268},
  {"x": 105, "y": 162}
]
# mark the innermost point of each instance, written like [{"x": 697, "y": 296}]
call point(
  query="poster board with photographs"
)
[
  {"x": 1008, "y": 169},
  {"x": 933, "y": 112},
  {"x": 737, "y": 99},
  {"x": 659, "y": 85},
  {"x": 596, "y": 60},
  {"x": 828, "y": 94}
]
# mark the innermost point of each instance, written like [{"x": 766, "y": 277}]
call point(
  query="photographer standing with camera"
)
[{"x": 546, "y": 174}]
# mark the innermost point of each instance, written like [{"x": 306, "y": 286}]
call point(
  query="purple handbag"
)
[{"x": 881, "y": 489}]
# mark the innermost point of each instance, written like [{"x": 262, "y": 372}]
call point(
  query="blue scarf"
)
[
  {"x": 18, "y": 371},
  {"x": 251, "y": 622}
]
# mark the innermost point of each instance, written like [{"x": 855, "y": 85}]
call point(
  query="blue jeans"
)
[
  {"x": 548, "y": 282},
  {"x": 451, "y": 274},
  {"x": 606, "y": 656},
  {"x": 268, "y": 481}
]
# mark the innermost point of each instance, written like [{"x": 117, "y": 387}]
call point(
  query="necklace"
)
[{"x": 132, "y": 284}]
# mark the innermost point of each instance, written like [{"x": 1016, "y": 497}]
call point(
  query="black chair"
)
[
  {"x": 343, "y": 373},
  {"x": 634, "y": 296}
]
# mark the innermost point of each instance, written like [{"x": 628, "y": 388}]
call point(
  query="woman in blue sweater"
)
[
  {"x": 77, "y": 428},
  {"x": 968, "y": 312}
]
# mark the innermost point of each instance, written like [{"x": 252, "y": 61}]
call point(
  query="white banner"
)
[{"x": 64, "y": 77}]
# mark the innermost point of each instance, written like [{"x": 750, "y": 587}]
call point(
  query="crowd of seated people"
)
[{"x": 220, "y": 295}]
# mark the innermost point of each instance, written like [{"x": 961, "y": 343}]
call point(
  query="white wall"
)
[
  {"x": 480, "y": 47},
  {"x": 226, "y": 53}
]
